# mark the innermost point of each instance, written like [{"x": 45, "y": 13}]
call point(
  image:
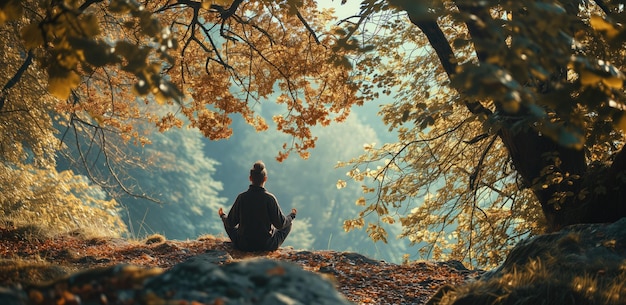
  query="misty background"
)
[{"x": 194, "y": 176}]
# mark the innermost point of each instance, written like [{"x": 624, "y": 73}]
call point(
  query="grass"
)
[
  {"x": 154, "y": 239},
  {"x": 33, "y": 270},
  {"x": 537, "y": 284}
]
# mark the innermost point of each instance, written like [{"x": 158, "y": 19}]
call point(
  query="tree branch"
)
[
  {"x": 88, "y": 3},
  {"x": 444, "y": 51},
  {"x": 307, "y": 26},
  {"x": 16, "y": 78},
  {"x": 603, "y": 6},
  {"x": 438, "y": 41},
  {"x": 476, "y": 172}
]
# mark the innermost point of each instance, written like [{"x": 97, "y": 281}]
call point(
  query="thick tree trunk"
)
[
  {"x": 610, "y": 204},
  {"x": 538, "y": 159}
]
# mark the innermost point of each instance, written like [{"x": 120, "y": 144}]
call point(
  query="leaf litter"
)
[{"x": 360, "y": 279}]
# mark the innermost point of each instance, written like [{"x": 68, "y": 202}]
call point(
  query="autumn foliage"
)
[{"x": 509, "y": 116}]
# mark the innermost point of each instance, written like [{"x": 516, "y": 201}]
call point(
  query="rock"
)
[
  {"x": 357, "y": 258},
  {"x": 252, "y": 281},
  {"x": 581, "y": 264},
  {"x": 215, "y": 256},
  {"x": 454, "y": 264},
  {"x": 12, "y": 296}
]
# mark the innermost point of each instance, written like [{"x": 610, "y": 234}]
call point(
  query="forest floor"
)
[{"x": 29, "y": 256}]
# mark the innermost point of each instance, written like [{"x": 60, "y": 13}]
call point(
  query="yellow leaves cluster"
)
[
  {"x": 428, "y": 175},
  {"x": 24, "y": 134},
  {"x": 352, "y": 224},
  {"x": 60, "y": 35},
  {"x": 600, "y": 24},
  {"x": 75, "y": 42},
  {"x": 100, "y": 63},
  {"x": 341, "y": 184},
  {"x": 376, "y": 232},
  {"x": 598, "y": 74},
  {"x": 57, "y": 201}
]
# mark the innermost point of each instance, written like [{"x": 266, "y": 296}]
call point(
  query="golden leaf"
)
[
  {"x": 32, "y": 36},
  {"x": 206, "y": 4},
  {"x": 223, "y": 2},
  {"x": 341, "y": 184},
  {"x": 11, "y": 11},
  {"x": 600, "y": 24},
  {"x": 613, "y": 82},
  {"x": 90, "y": 25},
  {"x": 588, "y": 78},
  {"x": 61, "y": 86}
]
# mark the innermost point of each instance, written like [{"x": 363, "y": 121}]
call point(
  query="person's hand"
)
[
  {"x": 221, "y": 212},
  {"x": 294, "y": 211}
]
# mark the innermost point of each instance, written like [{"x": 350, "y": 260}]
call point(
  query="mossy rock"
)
[{"x": 581, "y": 264}]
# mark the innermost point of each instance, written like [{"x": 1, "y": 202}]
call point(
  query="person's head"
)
[{"x": 258, "y": 173}]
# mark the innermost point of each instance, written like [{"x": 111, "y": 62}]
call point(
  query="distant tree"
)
[
  {"x": 183, "y": 178},
  {"x": 510, "y": 119}
]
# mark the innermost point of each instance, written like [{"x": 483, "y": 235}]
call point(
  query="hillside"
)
[{"x": 29, "y": 256}]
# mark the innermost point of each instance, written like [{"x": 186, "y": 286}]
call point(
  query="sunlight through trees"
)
[{"x": 509, "y": 116}]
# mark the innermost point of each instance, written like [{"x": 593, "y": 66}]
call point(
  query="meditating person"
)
[{"x": 255, "y": 222}]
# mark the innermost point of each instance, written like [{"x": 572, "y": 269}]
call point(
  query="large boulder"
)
[
  {"x": 252, "y": 281},
  {"x": 581, "y": 264}
]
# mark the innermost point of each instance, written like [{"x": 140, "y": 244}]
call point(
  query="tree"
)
[
  {"x": 221, "y": 59},
  {"x": 183, "y": 179},
  {"x": 509, "y": 118},
  {"x": 32, "y": 191}
]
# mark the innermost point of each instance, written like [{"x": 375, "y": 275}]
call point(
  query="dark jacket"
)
[{"x": 256, "y": 211}]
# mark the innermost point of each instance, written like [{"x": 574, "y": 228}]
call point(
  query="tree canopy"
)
[
  {"x": 102, "y": 61},
  {"x": 509, "y": 114}
]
